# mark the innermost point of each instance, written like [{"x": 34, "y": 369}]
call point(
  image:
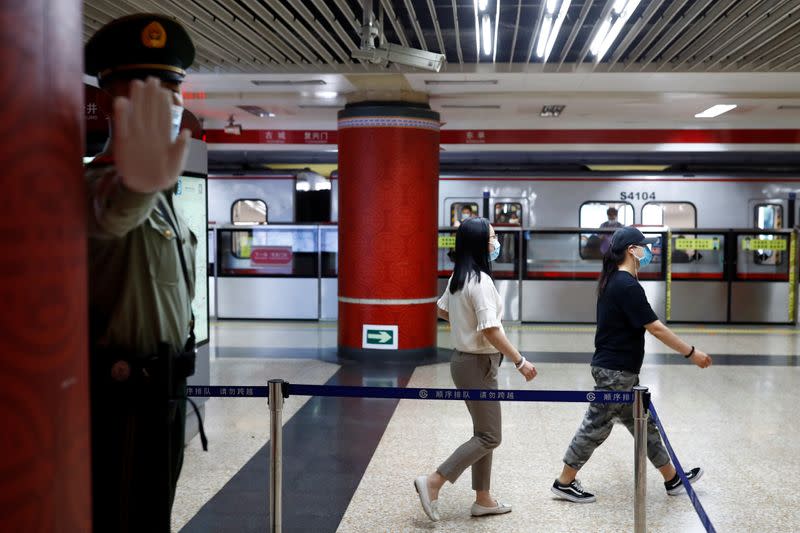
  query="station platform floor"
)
[{"x": 349, "y": 463}]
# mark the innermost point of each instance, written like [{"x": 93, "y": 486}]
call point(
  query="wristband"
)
[
  {"x": 687, "y": 356},
  {"x": 521, "y": 362}
]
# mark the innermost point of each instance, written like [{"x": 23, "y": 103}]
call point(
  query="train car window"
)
[
  {"x": 768, "y": 216},
  {"x": 672, "y": 214},
  {"x": 460, "y": 211},
  {"x": 508, "y": 213},
  {"x": 595, "y": 214},
  {"x": 248, "y": 212}
]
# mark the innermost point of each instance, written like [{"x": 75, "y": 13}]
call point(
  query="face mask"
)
[
  {"x": 177, "y": 117},
  {"x": 645, "y": 260},
  {"x": 496, "y": 252}
]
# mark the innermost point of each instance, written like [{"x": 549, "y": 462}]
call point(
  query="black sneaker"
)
[
  {"x": 675, "y": 485},
  {"x": 573, "y": 492}
]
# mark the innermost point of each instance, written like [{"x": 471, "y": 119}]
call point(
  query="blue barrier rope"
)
[
  {"x": 701, "y": 513},
  {"x": 208, "y": 391}
]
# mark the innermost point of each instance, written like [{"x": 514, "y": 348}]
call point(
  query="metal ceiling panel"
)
[{"x": 302, "y": 36}]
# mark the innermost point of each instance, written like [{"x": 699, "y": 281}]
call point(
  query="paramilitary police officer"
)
[{"x": 142, "y": 275}]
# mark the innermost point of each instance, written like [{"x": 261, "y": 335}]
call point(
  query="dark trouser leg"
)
[{"x": 178, "y": 428}]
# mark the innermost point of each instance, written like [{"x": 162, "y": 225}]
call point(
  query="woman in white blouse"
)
[{"x": 474, "y": 309}]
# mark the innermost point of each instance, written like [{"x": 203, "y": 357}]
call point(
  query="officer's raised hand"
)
[{"x": 146, "y": 157}]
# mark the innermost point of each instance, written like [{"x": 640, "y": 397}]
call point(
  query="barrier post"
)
[
  {"x": 275, "y": 454},
  {"x": 641, "y": 399}
]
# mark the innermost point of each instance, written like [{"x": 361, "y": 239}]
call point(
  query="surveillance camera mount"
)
[{"x": 386, "y": 53}]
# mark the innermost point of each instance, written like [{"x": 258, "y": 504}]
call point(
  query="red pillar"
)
[
  {"x": 388, "y": 196},
  {"x": 44, "y": 408}
]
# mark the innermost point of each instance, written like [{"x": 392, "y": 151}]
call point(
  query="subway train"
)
[
  {"x": 710, "y": 201},
  {"x": 727, "y": 253}
]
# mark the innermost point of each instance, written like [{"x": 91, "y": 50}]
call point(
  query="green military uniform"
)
[{"x": 140, "y": 297}]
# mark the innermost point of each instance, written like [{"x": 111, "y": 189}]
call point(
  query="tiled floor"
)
[{"x": 735, "y": 420}]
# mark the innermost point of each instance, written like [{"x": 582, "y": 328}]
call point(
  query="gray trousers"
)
[
  {"x": 600, "y": 418},
  {"x": 476, "y": 371}
]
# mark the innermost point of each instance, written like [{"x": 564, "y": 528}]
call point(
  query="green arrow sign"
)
[{"x": 379, "y": 336}]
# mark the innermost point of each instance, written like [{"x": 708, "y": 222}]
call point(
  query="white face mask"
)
[{"x": 177, "y": 117}]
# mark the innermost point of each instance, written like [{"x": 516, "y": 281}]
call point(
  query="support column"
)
[
  {"x": 388, "y": 196},
  {"x": 44, "y": 448}
]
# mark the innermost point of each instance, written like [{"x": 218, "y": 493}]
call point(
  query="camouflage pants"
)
[{"x": 600, "y": 418}]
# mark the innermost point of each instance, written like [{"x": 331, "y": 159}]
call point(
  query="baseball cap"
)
[{"x": 628, "y": 236}]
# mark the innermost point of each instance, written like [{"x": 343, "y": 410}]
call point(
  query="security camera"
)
[
  {"x": 385, "y": 53},
  {"x": 402, "y": 55},
  {"x": 232, "y": 128}
]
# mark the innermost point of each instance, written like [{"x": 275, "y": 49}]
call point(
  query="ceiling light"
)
[
  {"x": 715, "y": 110},
  {"x": 611, "y": 27},
  {"x": 544, "y": 34},
  {"x": 487, "y": 35},
  {"x": 256, "y": 110},
  {"x": 287, "y": 82},
  {"x": 319, "y": 106},
  {"x": 551, "y": 110},
  {"x": 619, "y": 5},
  {"x": 483, "y": 4},
  {"x": 326, "y": 94},
  {"x": 460, "y": 82},
  {"x": 551, "y": 25},
  {"x": 471, "y": 106}
]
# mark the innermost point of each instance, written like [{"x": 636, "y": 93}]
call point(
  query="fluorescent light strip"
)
[
  {"x": 287, "y": 82},
  {"x": 483, "y": 4},
  {"x": 460, "y": 82},
  {"x": 486, "y": 29},
  {"x": 562, "y": 14},
  {"x": 496, "y": 28},
  {"x": 551, "y": 25},
  {"x": 715, "y": 111},
  {"x": 610, "y": 29}
]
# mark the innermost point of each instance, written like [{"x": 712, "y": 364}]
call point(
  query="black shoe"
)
[
  {"x": 675, "y": 485},
  {"x": 573, "y": 492}
]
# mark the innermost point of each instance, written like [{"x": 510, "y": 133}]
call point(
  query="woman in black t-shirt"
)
[{"x": 623, "y": 315}]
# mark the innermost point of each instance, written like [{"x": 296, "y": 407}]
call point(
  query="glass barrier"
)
[
  {"x": 577, "y": 254},
  {"x": 698, "y": 256},
  {"x": 271, "y": 251},
  {"x": 506, "y": 266},
  {"x": 329, "y": 247},
  {"x": 445, "y": 250},
  {"x": 762, "y": 256}
]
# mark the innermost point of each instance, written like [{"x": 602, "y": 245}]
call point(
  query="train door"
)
[
  {"x": 508, "y": 216},
  {"x": 768, "y": 215}
]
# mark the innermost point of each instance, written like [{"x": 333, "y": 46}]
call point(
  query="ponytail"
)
[{"x": 611, "y": 262}]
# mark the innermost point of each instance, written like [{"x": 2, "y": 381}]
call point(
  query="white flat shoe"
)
[
  {"x": 431, "y": 507},
  {"x": 480, "y": 510}
]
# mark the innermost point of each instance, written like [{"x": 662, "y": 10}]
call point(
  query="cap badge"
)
[{"x": 154, "y": 35}]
